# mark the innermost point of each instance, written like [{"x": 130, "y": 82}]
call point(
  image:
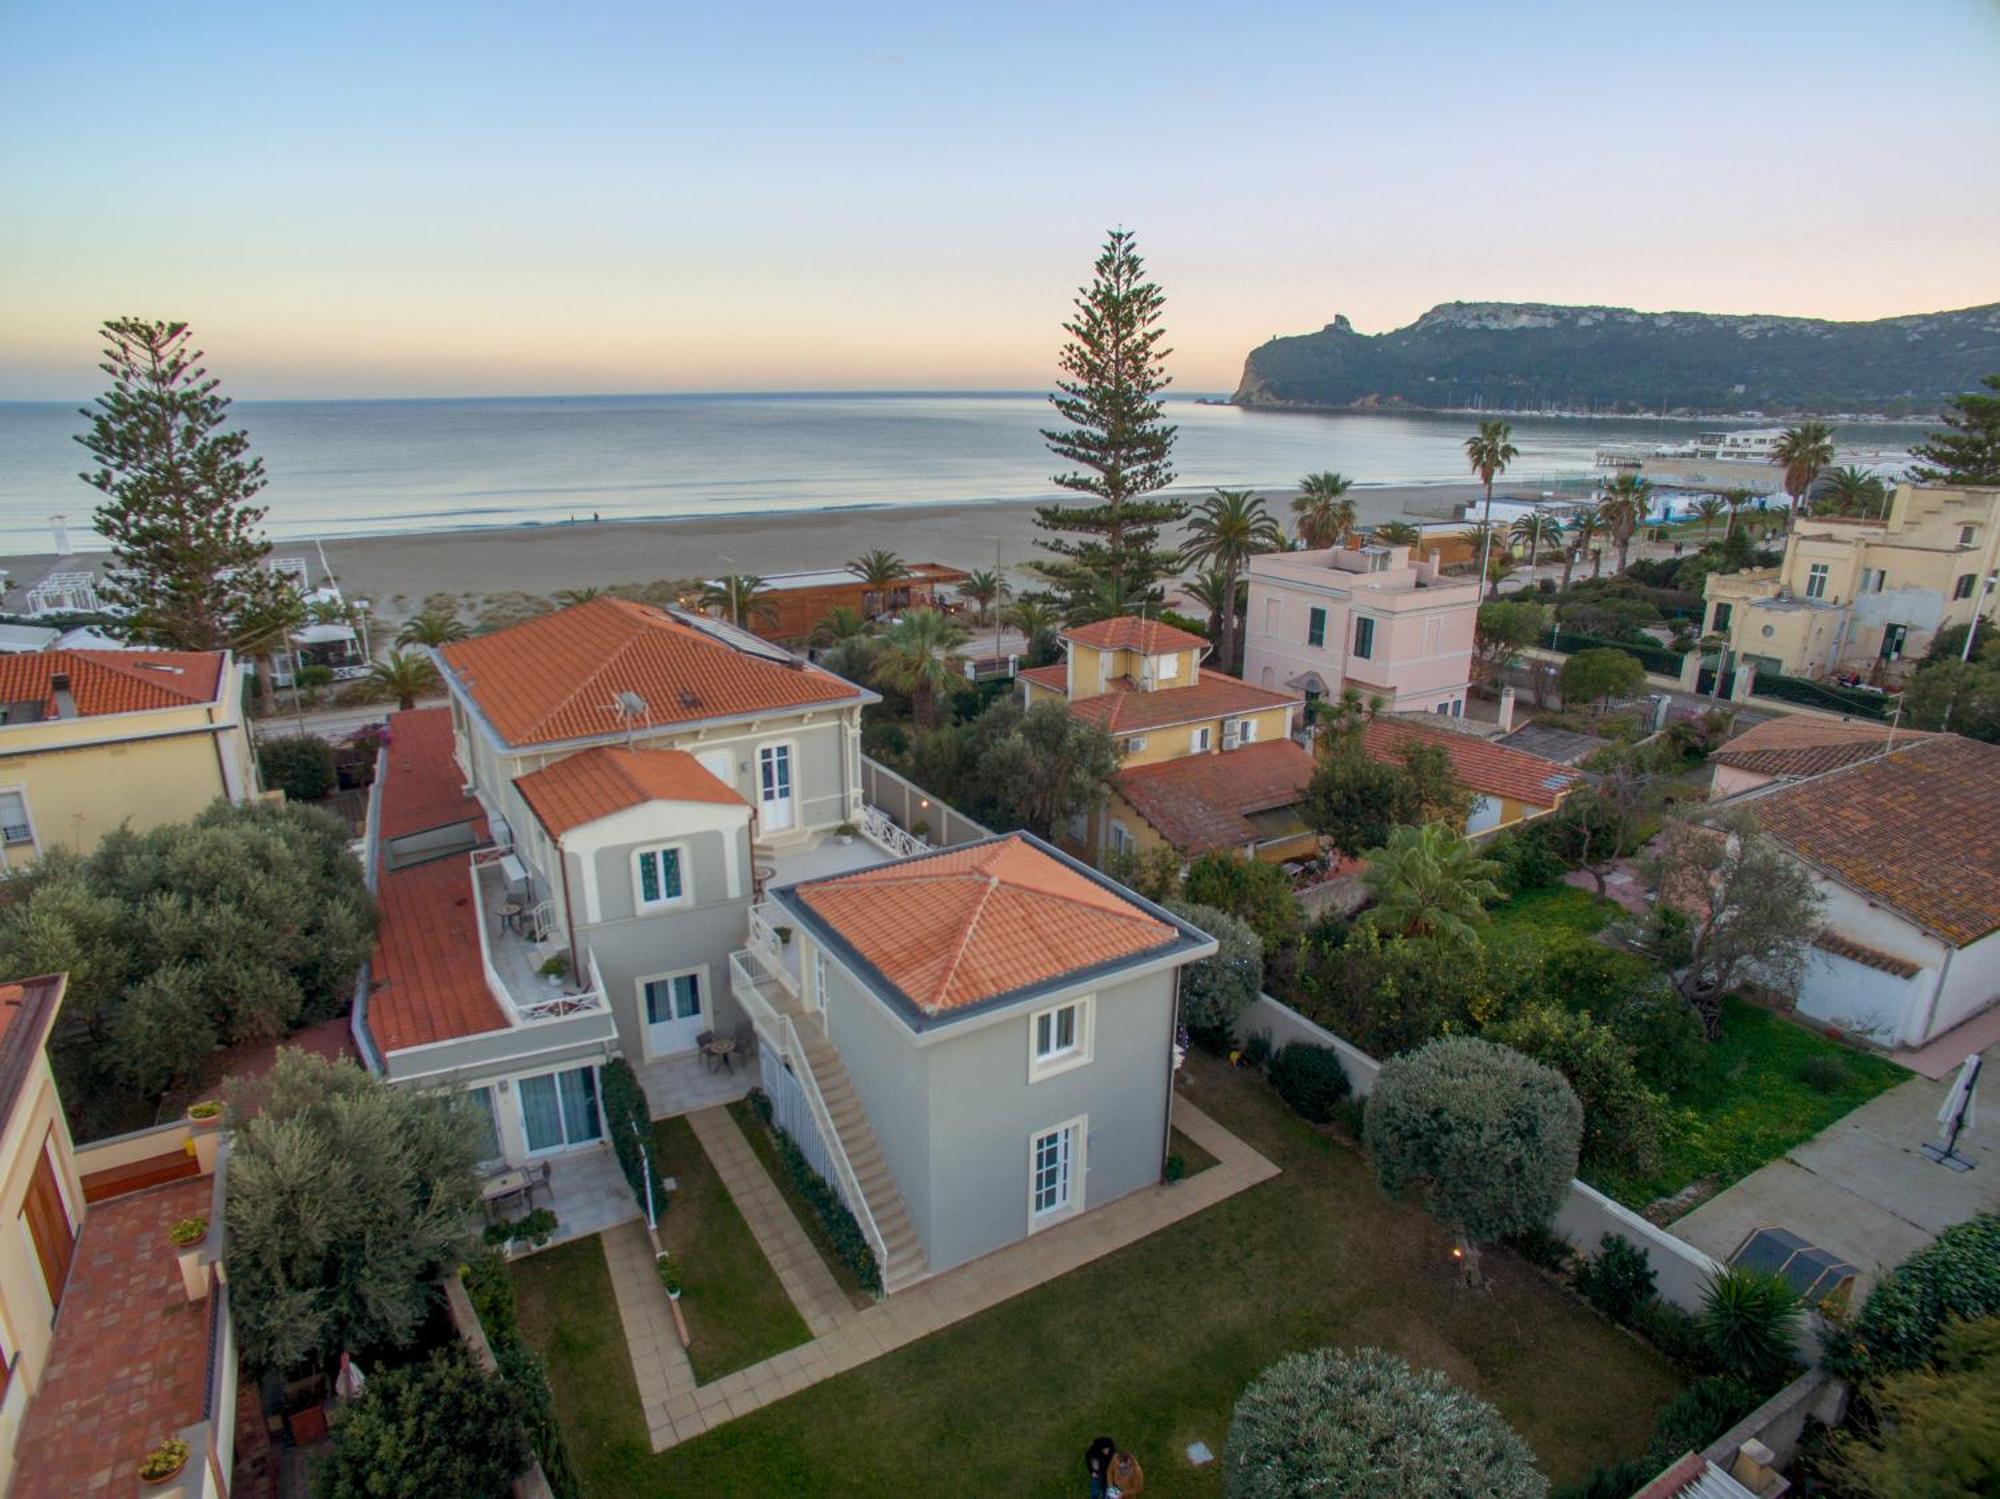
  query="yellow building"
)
[
  {"x": 90, "y": 740},
  {"x": 1854, "y": 595},
  {"x": 1207, "y": 762}
]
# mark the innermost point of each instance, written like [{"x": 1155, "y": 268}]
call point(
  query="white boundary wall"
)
[{"x": 1682, "y": 1271}]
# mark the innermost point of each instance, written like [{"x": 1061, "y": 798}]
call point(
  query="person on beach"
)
[
  {"x": 1097, "y": 1462},
  {"x": 1123, "y": 1480}
]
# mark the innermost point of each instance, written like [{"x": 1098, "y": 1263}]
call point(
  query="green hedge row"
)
[
  {"x": 1652, "y": 657},
  {"x": 491, "y": 1289},
  {"x": 1820, "y": 695},
  {"x": 629, "y": 1121},
  {"x": 849, "y": 1242}
]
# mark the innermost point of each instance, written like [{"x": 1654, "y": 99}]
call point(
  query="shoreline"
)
[{"x": 396, "y": 570}]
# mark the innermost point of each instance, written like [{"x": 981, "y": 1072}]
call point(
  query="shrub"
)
[
  {"x": 1934, "y": 1433},
  {"x": 1217, "y": 990},
  {"x": 1542, "y": 1248},
  {"x": 1619, "y": 1279},
  {"x": 1176, "y": 1169},
  {"x": 300, "y": 765},
  {"x": 1697, "y": 1416},
  {"x": 1899, "y": 1325},
  {"x": 1823, "y": 1072},
  {"x": 628, "y": 1120},
  {"x": 842, "y": 1228},
  {"x": 1665, "y": 1035},
  {"x": 1254, "y": 892},
  {"x": 1752, "y": 1321},
  {"x": 1622, "y": 1117},
  {"x": 1492, "y": 1134},
  {"x": 1256, "y": 1050},
  {"x": 1310, "y": 1079},
  {"x": 1615, "y": 1481},
  {"x": 1602, "y": 673},
  {"x": 536, "y": 1228},
  {"x": 1527, "y": 860},
  {"x": 490, "y": 1287},
  {"x": 1364, "y": 1422},
  {"x": 1680, "y": 1336},
  {"x": 441, "y": 1427}
]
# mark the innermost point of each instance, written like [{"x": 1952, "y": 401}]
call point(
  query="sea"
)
[{"x": 375, "y": 467}]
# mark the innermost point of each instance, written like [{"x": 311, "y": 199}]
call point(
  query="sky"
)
[{"x": 430, "y": 199}]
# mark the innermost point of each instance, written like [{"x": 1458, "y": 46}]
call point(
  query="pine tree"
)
[
  {"x": 1114, "y": 370},
  {"x": 187, "y": 548},
  {"x": 1968, "y": 453}
]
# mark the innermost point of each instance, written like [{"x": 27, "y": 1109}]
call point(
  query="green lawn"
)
[
  {"x": 1151, "y": 1344},
  {"x": 1534, "y": 917},
  {"x": 1192, "y": 1155},
  {"x": 759, "y": 1136},
  {"x": 1750, "y": 1103},
  {"x": 737, "y": 1311}
]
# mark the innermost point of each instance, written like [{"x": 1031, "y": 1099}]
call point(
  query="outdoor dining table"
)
[{"x": 722, "y": 1049}]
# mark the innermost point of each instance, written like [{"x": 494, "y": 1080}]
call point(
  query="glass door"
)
[
  {"x": 774, "y": 787},
  {"x": 559, "y": 1110},
  {"x": 674, "y": 1013}
]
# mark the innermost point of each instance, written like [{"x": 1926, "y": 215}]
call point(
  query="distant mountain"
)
[{"x": 1532, "y": 356}]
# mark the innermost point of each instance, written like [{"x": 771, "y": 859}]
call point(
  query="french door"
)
[
  {"x": 674, "y": 1012},
  {"x": 559, "y": 1110},
  {"x": 49, "y": 1226},
  {"x": 776, "y": 808}
]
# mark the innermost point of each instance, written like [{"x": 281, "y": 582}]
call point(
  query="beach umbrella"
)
[{"x": 1959, "y": 1112}]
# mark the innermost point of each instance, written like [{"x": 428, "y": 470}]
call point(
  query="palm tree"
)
[
  {"x": 1397, "y": 533},
  {"x": 1210, "y": 589},
  {"x": 1803, "y": 451},
  {"x": 1490, "y": 451},
  {"x": 917, "y": 656},
  {"x": 405, "y": 676},
  {"x": 985, "y": 589},
  {"x": 1225, "y": 531},
  {"x": 1533, "y": 529},
  {"x": 331, "y": 612},
  {"x": 1428, "y": 882},
  {"x": 1735, "y": 499},
  {"x": 737, "y": 596},
  {"x": 1854, "y": 490},
  {"x": 1628, "y": 499},
  {"x": 569, "y": 597},
  {"x": 1585, "y": 522},
  {"x": 1036, "y": 618},
  {"x": 433, "y": 627},
  {"x": 1499, "y": 568},
  {"x": 1705, "y": 510},
  {"x": 1325, "y": 514},
  {"x": 837, "y": 624},
  {"x": 878, "y": 570}
]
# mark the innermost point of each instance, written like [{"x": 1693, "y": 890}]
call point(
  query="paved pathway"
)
[
  {"x": 678, "y": 1409},
  {"x": 1859, "y": 1187}
]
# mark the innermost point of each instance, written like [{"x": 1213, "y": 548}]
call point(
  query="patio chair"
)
[
  {"x": 746, "y": 1040},
  {"x": 701, "y": 1047}
]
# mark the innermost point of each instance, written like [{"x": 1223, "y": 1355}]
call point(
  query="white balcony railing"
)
[
  {"x": 769, "y": 948},
  {"x": 877, "y": 828},
  {"x": 512, "y": 971}
]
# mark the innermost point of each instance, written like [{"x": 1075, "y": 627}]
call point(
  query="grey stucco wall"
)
[
  {"x": 891, "y": 1080},
  {"x": 703, "y": 873},
  {"x": 666, "y": 943}
]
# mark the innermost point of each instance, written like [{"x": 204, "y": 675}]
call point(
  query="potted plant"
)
[
  {"x": 921, "y": 828},
  {"x": 164, "y": 1463},
  {"x": 784, "y": 935},
  {"x": 206, "y": 1114},
  {"x": 188, "y": 1232},
  {"x": 555, "y": 968},
  {"x": 669, "y": 1273},
  {"x": 845, "y": 832}
]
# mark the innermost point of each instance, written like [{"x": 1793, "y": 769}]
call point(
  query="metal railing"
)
[
  {"x": 877, "y": 828},
  {"x": 777, "y": 1033},
  {"x": 769, "y": 948}
]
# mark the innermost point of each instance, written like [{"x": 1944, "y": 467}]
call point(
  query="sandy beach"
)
[{"x": 395, "y": 573}]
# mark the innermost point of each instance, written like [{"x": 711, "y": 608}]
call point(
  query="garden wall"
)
[
  {"x": 1586, "y": 1216},
  {"x": 908, "y": 804}
]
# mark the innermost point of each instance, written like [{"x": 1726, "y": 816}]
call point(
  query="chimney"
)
[
  {"x": 1506, "y": 710},
  {"x": 59, "y": 690},
  {"x": 1427, "y": 570}
]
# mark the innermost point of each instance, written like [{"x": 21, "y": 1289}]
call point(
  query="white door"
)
[
  {"x": 774, "y": 788},
  {"x": 676, "y": 1011}
]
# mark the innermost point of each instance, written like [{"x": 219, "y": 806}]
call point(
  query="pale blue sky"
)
[{"x": 433, "y": 199}]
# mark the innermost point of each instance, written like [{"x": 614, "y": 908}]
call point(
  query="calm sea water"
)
[{"x": 347, "y": 468}]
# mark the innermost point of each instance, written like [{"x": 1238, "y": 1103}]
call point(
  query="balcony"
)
[{"x": 515, "y": 948}]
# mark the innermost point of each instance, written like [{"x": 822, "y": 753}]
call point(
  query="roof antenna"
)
[{"x": 631, "y": 710}]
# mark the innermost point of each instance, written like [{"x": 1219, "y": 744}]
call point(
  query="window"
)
[
  {"x": 1136, "y": 743},
  {"x": 1816, "y": 580},
  {"x": 1316, "y": 627},
  {"x": 671, "y": 999},
  {"x": 658, "y": 877},
  {"x": 559, "y": 1109},
  {"x": 1246, "y": 731},
  {"x": 1169, "y": 666},
  {"x": 1962, "y": 589},
  {"x": 1965, "y": 535},
  {"x": 1364, "y": 637},
  {"x": 1121, "y": 839},
  {"x": 1721, "y": 623},
  {"x": 1873, "y": 579},
  {"x": 1059, "y": 1038},
  {"x": 1893, "y": 637},
  {"x": 1200, "y": 740},
  {"x": 1054, "y": 1164},
  {"x": 14, "y": 825}
]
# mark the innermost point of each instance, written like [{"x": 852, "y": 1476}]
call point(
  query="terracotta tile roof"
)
[
  {"x": 1869, "y": 957},
  {"x": 430, "y": 984},
  {"x": 952, "y": 929},
  {"x": 130, "y": 1357},
  {"x": 1488, "y": 768},
  {"x": 1055, "y": 678},
  {"x": 27, "y": 1011},
  {"x": 112, "y": 681},
  {"x": 559, "y": 677},
  {"x": 603, "y": 780},
  {"x": 423, "y": 787},
  {"x": 1917, "y": 830},
  {"x": 1125, "y": 709},
  {"x": 1201, "y": 802},
  {"x": 1128, "y": 632},
  {"x": 1797, "y": 746}
]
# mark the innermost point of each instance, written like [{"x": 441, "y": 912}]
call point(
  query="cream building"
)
[
  {"x": 92, "y": 740},
  {"x": 1852, "y": 593}
]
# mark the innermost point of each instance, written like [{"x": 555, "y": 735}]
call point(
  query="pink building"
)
[{"x": 1363, "y": 617}]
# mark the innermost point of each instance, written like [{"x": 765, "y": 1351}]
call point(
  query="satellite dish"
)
[{"x": 631, "y": 705}]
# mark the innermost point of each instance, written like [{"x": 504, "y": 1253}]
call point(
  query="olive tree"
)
[
  {"x": 1365, "y": 1423},
  {"x": 1490, "y": 1136},
  {"x": 441, "y": 1427},
  {"x": 1215, "y": 991}
]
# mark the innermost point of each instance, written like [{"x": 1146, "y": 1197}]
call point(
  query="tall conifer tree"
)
[
  {"x": 1107, "y": 554},
  {"x": 1969, "y": 452},
  {"x": 187, "y": 545}
]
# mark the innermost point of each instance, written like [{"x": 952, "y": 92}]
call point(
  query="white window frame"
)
[
  {"x": 603, "y": 1135},
  {"x": 665, "y": 903},
  {"x": 1169, "y": 667},
  {"x": 1246, "y": 731},
  {"x": 819, "y": 977},
  {"x": 1818, "y": 576},
  {"x": 1201, "y": 740},
  {"x": 33, "y": 840},
  {"x": 1083, "y": 1040},
  {"x": 1079, "y": 1129},
  {"x": 1966, "y": 535},
  {"x": 698, "y": 972}
]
